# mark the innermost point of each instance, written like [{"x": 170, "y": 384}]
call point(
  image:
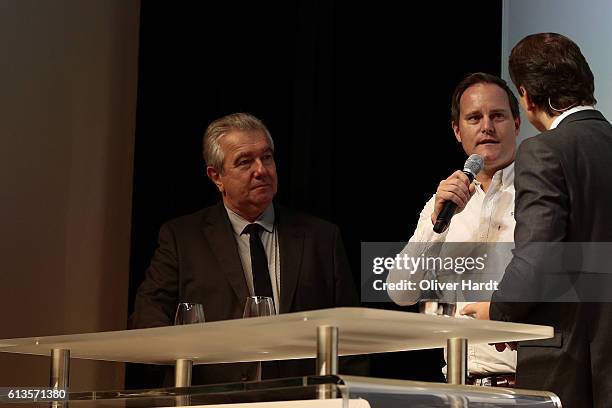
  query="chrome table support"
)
[{"x": 457, "y": 360}]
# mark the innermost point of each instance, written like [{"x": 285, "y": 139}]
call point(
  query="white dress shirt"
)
[
  {"x": 269, "y": 239},
  {"x": 487, "y": 217}
]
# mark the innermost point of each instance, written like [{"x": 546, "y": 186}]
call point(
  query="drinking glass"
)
[
  {"x": 438, "y": 307},
  {"x": 189, "y": 313},
  {"x": 256, "y": 306},
  {"x": 439, "y": 302}
]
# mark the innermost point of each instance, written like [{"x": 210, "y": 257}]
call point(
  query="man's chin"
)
[
  {"x": 490, "y": 154},
  {"x": 263, "y": 198}
]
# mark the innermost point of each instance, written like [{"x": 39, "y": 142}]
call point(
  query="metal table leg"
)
[
  {"x": 327, "y": 358},
  {"x": 456, "y": 369},
  {"x": 60, "y": 368},
  {"x": 182, "y": 378},
  {"x": 327, "y": 350},
  {"x": 182, "y": 373}
]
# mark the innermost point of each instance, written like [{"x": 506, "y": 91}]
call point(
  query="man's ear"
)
[
  {"x": 215, "y": 176},
  {"x": 528, "y": 102},
  {"x": 517, "y": 125},
  {"x": 456, "y": 131}
]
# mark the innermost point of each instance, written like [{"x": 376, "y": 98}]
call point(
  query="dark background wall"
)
[{"x": 356, "y": 96}]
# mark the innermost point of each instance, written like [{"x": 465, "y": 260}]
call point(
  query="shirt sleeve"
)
[{"x": 421, "y": 243}]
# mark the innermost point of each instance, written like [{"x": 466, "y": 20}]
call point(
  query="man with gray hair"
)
[{"x": 246, "y": 245}]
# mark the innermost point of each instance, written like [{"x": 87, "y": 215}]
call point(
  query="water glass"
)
[
  {"x": 256, "y": 306},
  {"x": 438, "y": 307},
  {"x": 189, "y": 313}
]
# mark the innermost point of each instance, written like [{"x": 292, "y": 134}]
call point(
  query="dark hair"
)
[
  {"x": 554, "y": 72},
  {"x": 480, "y": 78}
]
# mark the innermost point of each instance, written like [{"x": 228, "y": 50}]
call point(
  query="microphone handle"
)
[
  {"x": 448, "y": 210},
  {"x": 444, "y": 218}
]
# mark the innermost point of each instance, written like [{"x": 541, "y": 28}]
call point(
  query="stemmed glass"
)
[
  {"x": 189, "y": 313},
  {"x": 256, "y": 306},
  {"x": 186, "y": 313}
]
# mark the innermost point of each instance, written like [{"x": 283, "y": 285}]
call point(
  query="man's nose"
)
[
  {"x": 487, "y": 125},
  {"x": 259, "y": 168}
]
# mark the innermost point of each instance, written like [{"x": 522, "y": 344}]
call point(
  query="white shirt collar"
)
[
  {"x": 266, "y": 220},
  {"x": 568, "y": 112},
  {"x": 506, "y": 174}
]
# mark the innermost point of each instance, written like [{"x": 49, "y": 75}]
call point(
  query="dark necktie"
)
[
  {"x": 259, "y": 262},
  {"x": 261, "y": 284}
]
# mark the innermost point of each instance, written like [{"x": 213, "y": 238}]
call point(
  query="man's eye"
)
[
  {"x": 267, "y": 157},
  {"x": 473, "y": 119},
  {"x": 499, "y": 116},
  {"x": 244, "y": 162}
]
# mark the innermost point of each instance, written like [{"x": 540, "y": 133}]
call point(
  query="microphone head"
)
[{"x": 474, "y": 164}]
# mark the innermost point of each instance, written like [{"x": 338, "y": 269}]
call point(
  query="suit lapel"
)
[
  {"x": 219, "y": 234},
  {"x": 291, "y": 248}
]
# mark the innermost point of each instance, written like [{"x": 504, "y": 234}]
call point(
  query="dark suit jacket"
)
[
  {"x": 197, "y": 261},
  {"x": 563, "y": 194}
]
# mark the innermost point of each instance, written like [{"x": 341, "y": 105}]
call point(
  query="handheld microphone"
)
[{"x": 473, "y": 165}]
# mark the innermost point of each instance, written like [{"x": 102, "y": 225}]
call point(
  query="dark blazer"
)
[
  {"x": 197, "y": 261},
  {"x": 563, "y": 186}
]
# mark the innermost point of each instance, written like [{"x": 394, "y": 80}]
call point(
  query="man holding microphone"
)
[{"x": 485, "y": 120}]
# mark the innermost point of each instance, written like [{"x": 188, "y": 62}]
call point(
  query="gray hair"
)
[{"x": 213, "y": 155}]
